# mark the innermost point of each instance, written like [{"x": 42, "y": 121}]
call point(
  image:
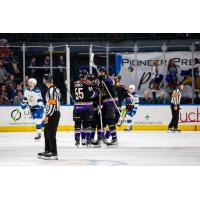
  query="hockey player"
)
[
  {"x": 83, "y": 108},
  {"x": 33, "y": 101},
  {"x": 122, "y": 93},
  {"x": 108, "y": 110},
  {"x": 97, "y": 122},
  {"x": 131, "y": 105}
]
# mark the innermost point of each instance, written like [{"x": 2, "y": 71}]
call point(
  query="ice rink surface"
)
[{"x": 134, "y": 148}]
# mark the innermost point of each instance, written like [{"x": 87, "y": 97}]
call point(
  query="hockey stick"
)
[
  {"x": 92, "y": 64},
  {"x": 121, "y": 119},
  {"x": 100, "y": 113},
  {"x": 68, "y": 91},
  {"x": 111, "y": 97}
]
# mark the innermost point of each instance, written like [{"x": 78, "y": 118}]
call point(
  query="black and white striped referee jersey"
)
[
  {"x": 176, "y": 97},
  {"x": 52, "y": 100}
]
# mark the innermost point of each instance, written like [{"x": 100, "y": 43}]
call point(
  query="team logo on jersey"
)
[
  {"x": 30, "y": 98},
  {"x": 16, "y": 114}
]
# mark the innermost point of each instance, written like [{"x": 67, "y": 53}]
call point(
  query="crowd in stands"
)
[
  {"x": 11, "y": 77},
  {"x": 11, "y": 74}
]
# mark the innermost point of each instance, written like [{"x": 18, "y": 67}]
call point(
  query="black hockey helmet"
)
[
  {"x": 102, "y": 69},
  {"x": 83, "y": 73},
  {"x": 91, "y": 77},
  {"x": 48, "y": 77},
  {"x": 117, "y": 77}
]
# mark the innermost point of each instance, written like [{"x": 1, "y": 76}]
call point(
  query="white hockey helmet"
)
[
  {"x": 32, "y": 82},
  {"x": 131, "y": 88}
]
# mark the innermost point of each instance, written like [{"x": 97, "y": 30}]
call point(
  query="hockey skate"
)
[
  {"x": 104, "y": 140},
  {"x": 93, "y": 141},
  {"x": 77, "y": 142},
  {"x": 42, "y": 154},
  {"x": 38, "y": 136},
  {"x": 128, "y": 128},
  {"x": 96, "y": 143},
  {"x": 170, "y": 130},
  {"x": 88, "y": 142},
  {"x": 177, "y": 131},
  {"x": 83, "y": 142},
  {"x": 51, "y": 156},
  {"x": 114, "y": 141}
]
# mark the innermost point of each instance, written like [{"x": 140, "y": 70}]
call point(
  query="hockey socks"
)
[
  {"x": 83, "y": 135},
  {"x": 92, "y": 134},
  {"x": 99, "y": 135},
  {"x": 113, "y": 135},
  {"x": 107, "y": 134},
  {"x": 77, "y": 136}
]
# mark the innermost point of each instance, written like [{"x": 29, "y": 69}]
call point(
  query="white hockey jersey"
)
[{"x": 33, "y": 99}]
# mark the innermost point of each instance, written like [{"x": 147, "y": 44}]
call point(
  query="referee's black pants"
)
[
  {"x": 50, "y": 133},
  {"x": 175, "y": 118}
]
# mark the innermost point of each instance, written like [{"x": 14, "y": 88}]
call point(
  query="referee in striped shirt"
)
[
  {"x": 51, "y": 119},
  {"x": 175, "y": 108}
]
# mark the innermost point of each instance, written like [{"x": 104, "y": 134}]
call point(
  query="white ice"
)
[{"x": 134, "y": 148}]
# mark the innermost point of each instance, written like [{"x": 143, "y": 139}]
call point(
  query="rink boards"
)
[{"x": 148, "y": 117}]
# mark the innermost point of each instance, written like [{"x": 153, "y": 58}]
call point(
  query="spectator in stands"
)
[
  {"x": 4, "y": 89},
  {"x": 11, "y": 80},
  {"x": 46, "y": 64},
  {"x": 19, "y": 98},
  {"x": 156, "y": 78},
  {"x": 3, "y": 72},
  {"x": 19, "y": 87},
  {"x": 172, "y": 78},
  {"x": 61, "y": 63},
  {"x": 12, "y": 92},
  {"x": 33, "y": 62},
  {"x": 46, "y": 61},
  {"x": 32, "y": 65},
  {"x": 4, "y": 99},
  {"x": 146, "y": 98},
  {"x": 15, "y": 67},
  {"x": 160, "y": 99}
]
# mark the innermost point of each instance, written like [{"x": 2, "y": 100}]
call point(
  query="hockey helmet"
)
[
  {"x": 131, "y": 88},
  {"x": 48, "y": 77},
  {"x": 83, "y": 73},
  {"x": 102, "y": 69},
  {"x": 32, "y": 82}
]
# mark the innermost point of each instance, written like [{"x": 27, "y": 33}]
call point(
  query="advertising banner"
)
[
  {"x": 136, "y": 68},
  {"x": 146, "y": 115}
]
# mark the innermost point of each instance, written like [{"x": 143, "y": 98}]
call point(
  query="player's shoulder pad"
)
[
  {"x": 75, "y": 82},
  {"x": 37, "y": 90},
  {"x": 123, "y": 86},
  {"x": 135, "y": 94}
]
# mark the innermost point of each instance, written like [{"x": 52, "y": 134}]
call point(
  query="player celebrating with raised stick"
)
[
  {"x": 109, "y": 104},
  {"x": 33, "y": 101}
]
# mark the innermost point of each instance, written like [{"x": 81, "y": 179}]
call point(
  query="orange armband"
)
[{"x": 52, "y": 102}]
